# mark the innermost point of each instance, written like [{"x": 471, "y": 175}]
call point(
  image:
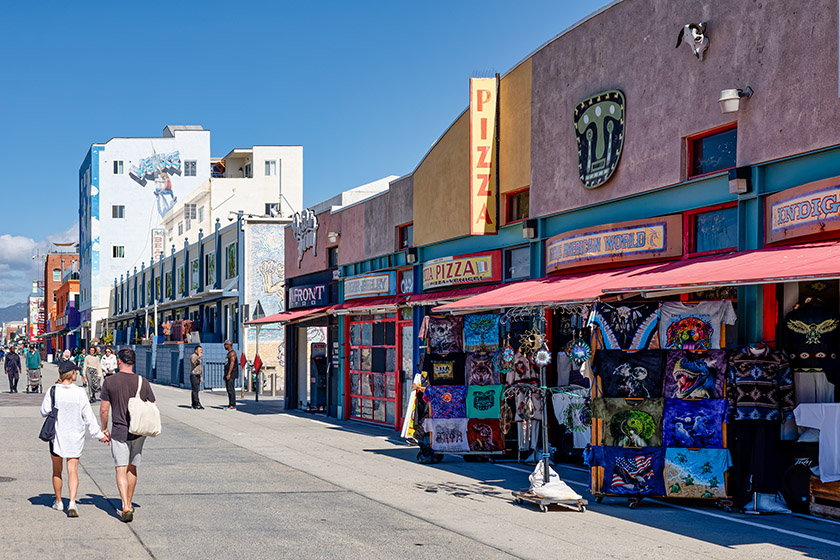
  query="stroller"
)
[{"x": 34, "y": 384}]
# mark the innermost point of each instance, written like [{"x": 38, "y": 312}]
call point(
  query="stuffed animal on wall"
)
[{"x": 694, "y": 35}]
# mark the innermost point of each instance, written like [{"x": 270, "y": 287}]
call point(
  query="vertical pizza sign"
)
[{"x": 484, "y": 94}]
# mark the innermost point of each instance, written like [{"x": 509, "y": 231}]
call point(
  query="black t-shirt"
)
[
  {"x": 630, "y": 374},
  {"x": 445, "y": 369},
  {"x": 117, "y": 389},
  {"x": 812, "y": 338}
]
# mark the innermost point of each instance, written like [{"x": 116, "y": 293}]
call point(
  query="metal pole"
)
[
  {"x": 257, "y": 373},
  {"x": 543, "y": 425}
]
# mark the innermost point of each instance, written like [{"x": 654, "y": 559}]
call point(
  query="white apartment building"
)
[
  {"x": 260, "y": 181},
  {"x": 128, "y": 188}
]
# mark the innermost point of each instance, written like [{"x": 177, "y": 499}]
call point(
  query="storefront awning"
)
[
  {"x": 448, "y": 295},
  {"x": 287, "y": 316},
  {"x": 796, "y": 263},
  {"x": 52, "y": 333},
  {"x": 384, "y": 305}
]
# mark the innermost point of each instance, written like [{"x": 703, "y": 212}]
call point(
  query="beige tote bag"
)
[{"x": 144, "y": 416}]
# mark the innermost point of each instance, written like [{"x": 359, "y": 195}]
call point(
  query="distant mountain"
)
[{"x": 14, "y": 312}]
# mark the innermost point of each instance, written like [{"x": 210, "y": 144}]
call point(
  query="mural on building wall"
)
[
  {"x": 599, "y": 127},
  {"x": 159, "y": 169}
]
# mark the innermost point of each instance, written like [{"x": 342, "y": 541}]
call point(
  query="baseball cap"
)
[{"x": 66, "y": 366}]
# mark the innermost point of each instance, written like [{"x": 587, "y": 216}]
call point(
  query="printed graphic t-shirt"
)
[
  {"x": 694, "y": 423},
  {"x": 573, "y": 412},
  {"x": 446, "y": 401},
  {"x": 696, "y": 473},
  {"x": 484, "y": 401},
  {"x": 445, "y": 369},
  {"x": 635, "y": 472},
  {"x": 448, "y": 434},
  {"x": 481, "y": 369},
  {"x": 826, "y": 418},
  {"x": 630, "y": 423},
  {"x": 630, "y": 374},
  {"x": 695, "y": 375},
  {"x": 485, "y": 435},
  {"x": 694, "y": 326},
  {"x": 625, "y": 327},
  {"x": 446, "y": 334},
  {"x": 481, "y": 332}
]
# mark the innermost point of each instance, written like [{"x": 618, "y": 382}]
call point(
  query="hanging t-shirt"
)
[
  {"x": 484, "y": 401},
  {"x": 529, "y": 403},
  {"x": 481, "y": 332},
  {"x": 696, "y": 473},
  {"x": 572, "y": 411},
  {"x": 445, "y": 369},
  {"x": 630, "y": 374},
  {"x": 446, "y": 334},
  {"x": 811, "y": 338},
  {"x": 627, "y": 326},
  {"x": 695, "y": 375},
  {"x": 481, "y": 369},
  {"x": 630, "y": 423},
  {"x": 694, "y": 326},
  {"x": 448, "y": 434},
  {"x": 523, "y": 370},
  {"x": 446, "y": 401},
  {"x": 485, "y": 435},
  {"x": 694, "y": 423},
  {"x": 759, "y": 385},
  {"x": 826, "y": 418},
  {"x": 635, "y": 472}
]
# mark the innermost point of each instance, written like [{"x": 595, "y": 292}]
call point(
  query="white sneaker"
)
[
  {"x": 58, "y": 506},
  {"x": 71, "y": 510}
]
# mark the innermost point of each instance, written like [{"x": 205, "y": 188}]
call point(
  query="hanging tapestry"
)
[
  {"x": 630, "y": 423},
  {"x": 481, "y": 332},
  {"x": 626, "y": 327},
  {"x": 630, "y": 374},
  {"x": 485, "y": 435},
  {"x": 446, "y": 334},
  {"x": 694, "y": 423},
  {"x": 636, "y": 472},
  {"x": 696, "y": 473},
  {"x": 446, "y": 401},
  {"x": 695, "y": 375}
]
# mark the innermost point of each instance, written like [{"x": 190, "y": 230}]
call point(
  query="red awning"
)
[
  {"x": 793, "y": 263},
  {"x": 449, "y": 295},
  {"x": 384, "y": 303},
  {"x": 287, "y": 316}
]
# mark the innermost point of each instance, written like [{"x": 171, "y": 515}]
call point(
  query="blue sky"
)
[{"x": 365, "y": 87}]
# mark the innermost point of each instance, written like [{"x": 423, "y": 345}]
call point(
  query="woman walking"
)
[
  {"x": 108, "y": 362},
  {"x": 93, "y": 372},
  {"x": 74, "y": 414}
]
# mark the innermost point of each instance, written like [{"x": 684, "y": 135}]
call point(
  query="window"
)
[
  {"x": 270, "y": 168},
  {"x": 405, "y": 236},
  {"x": 230, "y": 261},
  {"x": 712, "y": 230},
  {"x": 272, "y": 209},
  {"x": 180, "y": 228},
  {"x": 149, "y": 290},
  {"x": 189, "y": 168},
  {"x": 118, "y": 251},
  {"x": 249, "y": 171},
  {"x": 181, "y": 279},
  {"x": 332, "y": 257},
  {"x": 189, "y": 212},
  {"x": 118, "y": 212},
  {"x": 168, "y": 283},
  {"x": 157, "y": 288},
  {"x": 169, "y": 234},
  {"x": 201, "y": 213},
  {"x": 56, "y": 275},
  {"x": 712, "y": 151},
  {"x": 518, "y": 263},
  {"x": 210, "y": 268},
  {"x": 517, "y": 206},
  {"x": 118, "y": 167},
  {"x": 194, "y": 275}
]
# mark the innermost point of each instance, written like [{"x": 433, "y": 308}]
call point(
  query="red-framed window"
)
[
  {"x": 405, "y": 236},
  {"x": 375, "y": 358},
  {"x": 711, "y": 230},
  {"x": 517, "y": 206},
  {"x": 712, "y": 151}
]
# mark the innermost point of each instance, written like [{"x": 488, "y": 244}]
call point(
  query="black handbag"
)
[{"x": 48, "y": 429}]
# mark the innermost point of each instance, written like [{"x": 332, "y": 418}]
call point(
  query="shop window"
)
[
  {"x": 210, "y": 268},
  {"x": 712, "y": 230},
  {"x": 230, "y": 261},
  {"x": 168, "y": 284},
  {"x": 332, "y": 257},
  {"x": 517, "y": 206},
  {"x": 194, "y": 275},
  {"x": 712, "y": 151},
  {"x": 181, "y": 280},
  {"x": 517, "y": 263},
  {"x": 405, "y": 235}
]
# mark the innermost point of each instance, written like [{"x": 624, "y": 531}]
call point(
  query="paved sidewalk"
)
[{"x": 247, "y": 483}]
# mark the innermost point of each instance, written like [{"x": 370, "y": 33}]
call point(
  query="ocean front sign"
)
[
  {"x": 806, "y": 210},
  {"x": 628, "y": 241},
  {"x": 599, "y": 127}
]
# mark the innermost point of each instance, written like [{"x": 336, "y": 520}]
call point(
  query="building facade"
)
[{"x": 55, "y": 265}]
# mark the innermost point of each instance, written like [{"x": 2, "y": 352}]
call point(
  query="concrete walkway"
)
[{"x": 257, "y": 483}]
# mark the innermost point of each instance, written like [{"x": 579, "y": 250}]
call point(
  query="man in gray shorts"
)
[{"x": 126, "y": 448}]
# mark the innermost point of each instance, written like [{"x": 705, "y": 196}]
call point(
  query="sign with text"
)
[
  {"x": 308, "y": 296},
  {"x": 465, "y": 269},
  {"x": 370, "y": 285},
  {"x": 629, "y": 241},
  {"x": 804, "y": 210},
  {"x": 158, "y": 240},
  {"x": 483, "y": 98}
]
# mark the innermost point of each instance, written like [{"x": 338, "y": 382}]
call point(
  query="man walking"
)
[
  {"x": 126, "y": 448},
  {"x": 12, "y": 368},
  {"x": 33, "y": 364},
  {"x": 231, "y": 374},
  {"x": 195, "y": 376}
]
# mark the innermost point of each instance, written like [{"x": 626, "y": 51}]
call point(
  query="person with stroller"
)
[
  {"x": 93, "y": 371},
  {"x": 33, "y": 369},
  {"x": 74, "y": 414}
]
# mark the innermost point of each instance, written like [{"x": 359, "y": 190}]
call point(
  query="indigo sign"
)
[{"x": 805, "y": 210}]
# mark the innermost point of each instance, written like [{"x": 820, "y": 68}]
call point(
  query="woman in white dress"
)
[
  {"x": 108, "y": 362},
  {"x": 74, "y": 414}
]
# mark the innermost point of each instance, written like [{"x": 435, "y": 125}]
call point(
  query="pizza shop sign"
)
[{"x": 465, "y": 269}]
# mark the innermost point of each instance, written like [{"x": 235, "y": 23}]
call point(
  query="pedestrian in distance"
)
[
  {"x": 93, "y": 371},
  {"x": 79, "y": 360},
  {"x": 108, "y": 362},
  {"x": 196, "y": 376},
  {"x": 231, "y": 374},
  {"x": 74, "y": 415},
  {"x": 12, "y": 369},
  {"x": 33, "y": 364},
  {"x": 126, "y": 448}
]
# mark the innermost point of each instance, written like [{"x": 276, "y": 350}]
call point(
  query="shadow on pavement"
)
[{"x": 42, "y": 500}]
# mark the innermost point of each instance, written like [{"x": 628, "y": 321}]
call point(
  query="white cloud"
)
[{"x": 17, "y": 267}]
